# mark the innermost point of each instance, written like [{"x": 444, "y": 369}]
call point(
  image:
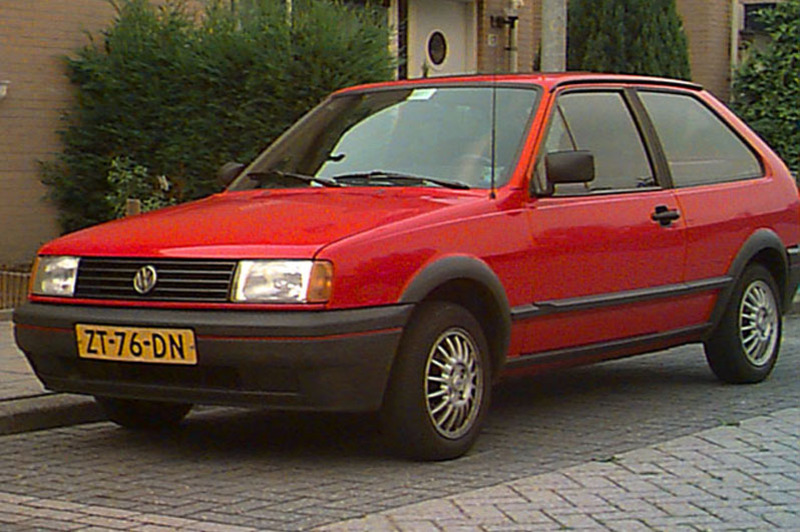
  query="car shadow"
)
[{"x": 520, "y": 404}]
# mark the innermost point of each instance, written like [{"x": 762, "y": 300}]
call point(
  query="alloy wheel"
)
[
  {"x": 758, "y": 323},
  {"x": 454, "y": 383}
]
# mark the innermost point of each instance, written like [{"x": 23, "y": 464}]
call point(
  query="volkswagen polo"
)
[{"x": 406, "y": 244}]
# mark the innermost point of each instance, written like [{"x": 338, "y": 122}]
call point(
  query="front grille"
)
[{"x": 178, "y": 280}]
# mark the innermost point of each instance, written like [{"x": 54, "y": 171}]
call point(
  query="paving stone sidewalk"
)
[
  {"x": 739, "y": 477},
  {"x": 17, "y": 379},
  {"x": 24, "y": 404}
]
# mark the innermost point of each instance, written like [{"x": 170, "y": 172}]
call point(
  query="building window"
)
[
  {"x": 437, "y": 48},
  {"x": 751, "y": 20}
]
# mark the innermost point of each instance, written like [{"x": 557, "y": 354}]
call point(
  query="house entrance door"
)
[{"x": 441, "y": 37}]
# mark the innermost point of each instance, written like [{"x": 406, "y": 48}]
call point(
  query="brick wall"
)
[
  {"x": 492, "y": 42},
  {"x": 707, "y": 24},
  {"x": 34, "y": 35}
]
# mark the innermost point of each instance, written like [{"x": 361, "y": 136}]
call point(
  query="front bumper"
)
[{"x": 315, "y": 360}]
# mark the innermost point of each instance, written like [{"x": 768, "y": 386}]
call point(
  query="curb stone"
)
[{"x": 47, "y": 411}]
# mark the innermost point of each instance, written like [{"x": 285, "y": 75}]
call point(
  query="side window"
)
[
  {"x": 700, "y": 148},
  {"x": 601, "y": 123}
]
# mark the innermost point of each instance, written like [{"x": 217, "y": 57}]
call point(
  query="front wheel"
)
[
  {"x": 143, "y": 415},
  {"x": 745, "y": 345},
  {"x": 440, "y": 385}
]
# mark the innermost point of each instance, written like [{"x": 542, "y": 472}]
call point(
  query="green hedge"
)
[
  {"x": 766, "y": 89},
  {"x": 627, "y": 37},
  {"x": 174, "y": 93}
]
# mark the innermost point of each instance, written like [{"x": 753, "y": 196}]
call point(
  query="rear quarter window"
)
[{"x": 700, "y": 147}]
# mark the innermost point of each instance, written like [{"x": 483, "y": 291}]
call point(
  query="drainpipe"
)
[
  {"x": 513, "y": 37},
  {"x": 509, "y": 19},
  {"x": 734, "y": 39},
  {"x": 554, "y": 35}
]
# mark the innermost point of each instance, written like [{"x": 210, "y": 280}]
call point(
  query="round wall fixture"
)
[{"x": 437, "y": 48}]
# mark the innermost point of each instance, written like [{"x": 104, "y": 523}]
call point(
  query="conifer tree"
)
[{"x": 627, "y": 37}]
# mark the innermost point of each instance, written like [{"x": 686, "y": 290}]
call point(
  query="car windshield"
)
[{"x": 428, "y": 136}]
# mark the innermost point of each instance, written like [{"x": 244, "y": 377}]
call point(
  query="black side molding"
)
[
  {"x": 608, "y": 350},
  {"x": 617, "y": 298}
]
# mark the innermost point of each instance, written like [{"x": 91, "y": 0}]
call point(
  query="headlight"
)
[
  {"x": 282, "y": 281},
  {"x": 55, "y": 276}
]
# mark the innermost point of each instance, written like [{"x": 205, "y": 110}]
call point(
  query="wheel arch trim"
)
[
  {"x": 463, "y": 268},
  {"x": 763, "y": 240}
]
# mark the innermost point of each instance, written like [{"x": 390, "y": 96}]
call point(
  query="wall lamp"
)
[
  {"x": 508, "y": 18},
  {"x": 3, "y": 88},
  {"x": 510, "y": 15}
]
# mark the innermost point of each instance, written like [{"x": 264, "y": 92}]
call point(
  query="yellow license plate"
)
[{"x": 136, "y": 344}]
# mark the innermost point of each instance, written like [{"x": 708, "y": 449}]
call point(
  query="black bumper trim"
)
[
  {"x": 220, "y": 323},
  {"x": 320, "y": 360}
]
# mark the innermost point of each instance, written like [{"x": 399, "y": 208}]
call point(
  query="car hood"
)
[{"x": 289, "y": 223}]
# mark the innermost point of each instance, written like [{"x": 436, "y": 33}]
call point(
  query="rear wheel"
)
[
  {"x": 745, "y": 345},
  {"x": 440, "y": 386},
  {"x": 143, "y": 415}
]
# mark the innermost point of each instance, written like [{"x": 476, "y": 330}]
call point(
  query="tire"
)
[
  {"x": 440, "y": 386},
  {"x": 143, "y": 415},
  {"x": 744, "y": 347}
]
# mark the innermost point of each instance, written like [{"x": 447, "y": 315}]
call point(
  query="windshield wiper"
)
[
  {"x": 262, "y": 176},
  {"x": 381, "y": 175}
]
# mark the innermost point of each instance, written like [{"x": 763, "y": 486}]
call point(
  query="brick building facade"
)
[
  {"x": 34, "y": 36},
  {"x": 492, "y": 52},
  {"x": 707, "y": 24}
]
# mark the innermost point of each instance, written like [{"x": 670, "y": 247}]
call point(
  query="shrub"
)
[
  {"x": 627, "y": 37},
  {"x": 766, "y": 88},
  {"x": 179, "y": 93},
  {"x": 128, "y": 180}
]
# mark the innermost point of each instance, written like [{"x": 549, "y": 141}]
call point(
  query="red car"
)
[{"x": 406, "y": 244}]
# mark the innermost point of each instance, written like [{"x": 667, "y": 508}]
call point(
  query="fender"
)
[
  {"x": 460, "y": 268},
  {"x": 760, "y": 241}
]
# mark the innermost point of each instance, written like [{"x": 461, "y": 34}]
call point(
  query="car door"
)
[{"x": 606, "y": 257}]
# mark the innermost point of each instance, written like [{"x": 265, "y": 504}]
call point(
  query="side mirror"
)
[
  {"x": 569, "y": 167},
  {"x": 228, "y": 172}
]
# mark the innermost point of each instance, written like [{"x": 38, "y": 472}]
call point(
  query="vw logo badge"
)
[{"x": 145, "y": 279}]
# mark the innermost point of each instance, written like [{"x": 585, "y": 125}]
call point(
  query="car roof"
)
[{"x": 547, "y": 80}]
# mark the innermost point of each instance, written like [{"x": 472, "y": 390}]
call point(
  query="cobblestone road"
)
[{"x": 226, "y": 468}]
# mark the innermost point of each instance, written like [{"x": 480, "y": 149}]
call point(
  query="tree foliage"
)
[
  {"x": 766, "y": 89},
  {"x": 627, "y": 37},
  {"x": 172, "y": 92}
]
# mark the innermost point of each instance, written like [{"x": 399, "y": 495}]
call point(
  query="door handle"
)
[{"x": 664, "y": 215}]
